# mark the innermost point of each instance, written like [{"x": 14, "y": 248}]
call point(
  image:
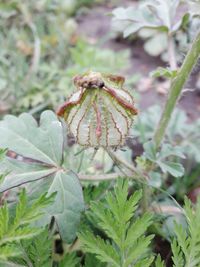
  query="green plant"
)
[
  {"x": 125, "y": 243},
  {"x": 159, "y": 23},
  {"x": 40, "y": 53},
  {"x": 40, "y": 157},
  {"x": 14, "y": 228},
  {"x": 43, "y": 147},
  {"x": 185, "y": 246},
  {"x": 177, "y": 134}
]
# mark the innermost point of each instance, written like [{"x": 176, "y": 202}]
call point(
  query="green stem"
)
[
  {"x": 98, "y": 177},
  {"x": 176, "y": 88},
  {"x": 120, "y": 161}
]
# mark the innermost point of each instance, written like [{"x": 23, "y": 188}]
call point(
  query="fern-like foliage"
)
[
  {"x": 17, "y": 227},
  {"x": 126, "y": 243},
  {"x": 186, "y": 245},
  {"x": 91, "y": 261},
  {"x": 70, "y": 260},
  {"x": 38, "y": 250},
  {"x": 159, "y": 262}
]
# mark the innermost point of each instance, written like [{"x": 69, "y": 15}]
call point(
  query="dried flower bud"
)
[{"x": 101, "y": 112}]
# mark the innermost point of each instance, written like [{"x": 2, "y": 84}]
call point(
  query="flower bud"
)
[{"x": 100, "y": 113}]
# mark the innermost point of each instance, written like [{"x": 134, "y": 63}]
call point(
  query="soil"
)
[{"x": 94, "y": 24}]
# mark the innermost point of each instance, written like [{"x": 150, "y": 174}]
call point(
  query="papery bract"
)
[{"x": 101, "y": 112}]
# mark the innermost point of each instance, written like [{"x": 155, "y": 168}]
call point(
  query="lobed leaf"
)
[{"x": 23, "y": 136}]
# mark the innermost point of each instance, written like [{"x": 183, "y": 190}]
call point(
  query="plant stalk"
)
[
  {"x": 172, "y": 52},
  {"x": 176, "y": 87}
]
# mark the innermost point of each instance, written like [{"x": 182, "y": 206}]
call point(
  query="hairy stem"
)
[
  {"x": 121, "y": 162},
  {"x": 176, "y": 88},
  {"x": 172, "y": 52},
  {"x": 98, "y": 177}
]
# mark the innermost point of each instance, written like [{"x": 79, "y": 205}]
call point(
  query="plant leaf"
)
[
  {"x": 23, "y": 136},
  {"x": 150, "y": 151},
  {"x": 23, "y": 173},
  {"x": 175, "y": 169},
  {"x": 68, "y": 203},
  {"x": 159, "y": 262}
]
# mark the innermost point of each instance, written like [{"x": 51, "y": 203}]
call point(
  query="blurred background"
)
[{"x": 44, "y": 43}]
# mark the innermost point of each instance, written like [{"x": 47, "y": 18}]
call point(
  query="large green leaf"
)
[
  {"x": 40, "y": 160},
  {"x": 23, "y": 136},
  {"x": 68, "y": 204},
  {"x": 22, "y": 172}
]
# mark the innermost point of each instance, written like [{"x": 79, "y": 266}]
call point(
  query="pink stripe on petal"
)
[{"x": 98, "y": 114}]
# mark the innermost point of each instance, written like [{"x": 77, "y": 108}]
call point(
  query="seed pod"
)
[{"x": 100, "y": 112}]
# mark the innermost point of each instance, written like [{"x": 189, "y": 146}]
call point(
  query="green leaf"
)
[
  {"x": 102, "y": 249},
  {"x": 21, "y": 172},
  {"x": 153, "y": 14},
  {"x": 67, "y": 205},
  {"x": 138, "y": 228},
  {"x": 169, "y": 150},
  {"x": 17, "y": 228},
  {"x": 91, "y": 261},
  {"x": 175, "y": 169},
  {"x": 177, "y": 257},
  {"x": 39, "y": 249},
  {"x": 4, "y": 220},
  {"x": 139, "y": 248},
  {"x": 164, "y": 72},
  {"x": 7, "y": 251},
  {"x": 145, "y": 262},
  {"x": 110, "y": 227},
  {"x": 18, "y": 234},
  {"x": 182, "y": 238},
  {"x": 155, "y": 179},
  {"x": 124, "y": 238},
  {"x": 70, "y": 260},
  {"x": 150, "y": 151},
  {"x": 185, "y": 246},
  {"x": 135, "y": 19},
  {"x": 23, "y": 136},
  {"x": 41, "y": 147},
  {"x": 159, "y": 262}
]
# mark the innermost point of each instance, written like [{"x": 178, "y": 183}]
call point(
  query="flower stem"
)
[
  {"x": 176, "y": 87},
  {"x": 172, "y": 52},
  {"x": 98, "y": 177}
]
